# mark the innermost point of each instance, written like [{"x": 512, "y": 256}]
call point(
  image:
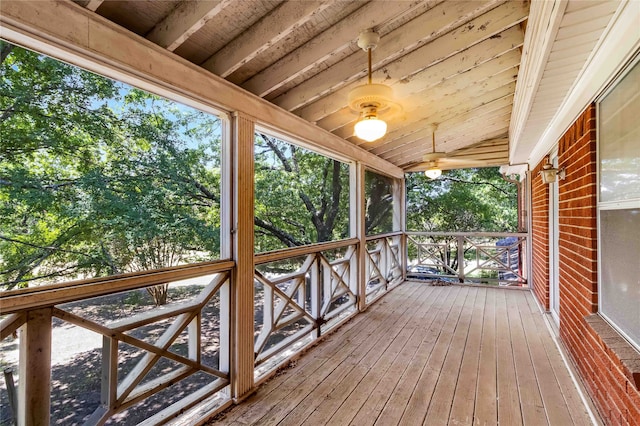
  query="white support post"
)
[
  {"x": 383, "y": 263},
  {"x": 400, "y": 205},
  {"x": 242, "y": 288},
  {"x": 316, "y": 297},
  {"x": 529, "y": 244},
  {"x": 358, "y": 229},
  {"x": 225, "y": 327},
  {"x": 34, "y": 388},
  {"x": 326, "y": 283},
  {"x": 109, "y": 383},
  {"x": 460, "y": 251},
  {"x": 194, "y": 341}
]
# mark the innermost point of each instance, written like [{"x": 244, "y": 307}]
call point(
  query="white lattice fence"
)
[
  {"x": 383, "y": 264},
  {"x": 294, "y": 307}
]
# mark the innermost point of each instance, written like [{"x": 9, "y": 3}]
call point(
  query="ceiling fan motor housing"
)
[
  {"x": 368, "y": 39},
  {"x": 378, "y": 96}
]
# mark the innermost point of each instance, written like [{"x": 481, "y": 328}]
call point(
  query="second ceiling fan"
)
[{"x": 433, "y": 162}]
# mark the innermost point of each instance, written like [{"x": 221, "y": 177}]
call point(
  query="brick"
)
[{"x": 600, "y": 358}]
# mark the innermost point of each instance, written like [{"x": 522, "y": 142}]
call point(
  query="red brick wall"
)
[
  {"x": 586, "y": 336},
  {"x": 540, "y": 236}
]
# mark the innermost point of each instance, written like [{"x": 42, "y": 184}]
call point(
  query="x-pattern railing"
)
[
  {"x": 168, "y": 345},
  {"x": 383, "y": 263},
  {"x": 472, "y": 257},
  {"x": 118, "y": 395},
  {"x": 434, "y": 254},
  {"x": 299, "y": 304},
  {"x": 310, "y": 290},
  {"x": 504, "y": 259}
]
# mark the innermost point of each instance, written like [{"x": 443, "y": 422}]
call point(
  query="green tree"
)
[
  {"x": 301, "y": 197},
  {"x": 98, "y": 178},
  {"x": 463, "y": 200},
  {"x": 378, "y": 203}
]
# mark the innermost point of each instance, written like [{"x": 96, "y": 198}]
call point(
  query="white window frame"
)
[{"x": 610, "y": 205}]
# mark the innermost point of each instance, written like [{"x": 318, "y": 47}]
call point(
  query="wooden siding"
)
[{"x": 426, "y": 355}]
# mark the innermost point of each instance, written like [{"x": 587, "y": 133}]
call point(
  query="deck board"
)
[{"x": 426, "y": 355}]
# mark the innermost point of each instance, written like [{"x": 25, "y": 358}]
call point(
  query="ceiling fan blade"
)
[
  {"x": 446, "y": 164},
  {"x": 453, "y": 161}
]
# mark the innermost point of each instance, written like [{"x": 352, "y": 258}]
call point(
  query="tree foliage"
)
[
  {"x": 463, "y": 200},
  {"x": 378, "y": 203},
  {"x": 300, "y": 197},
  {"x": 99, "y": 178}
]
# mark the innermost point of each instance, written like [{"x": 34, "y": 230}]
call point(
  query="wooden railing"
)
[
  {"x": 144, "y": 354},
  {"x": 383, "y": 264},
  {"x": 300, "y": 294},
  {"x": 183, "y": 345},
  {"x": 485, "y": 258}
]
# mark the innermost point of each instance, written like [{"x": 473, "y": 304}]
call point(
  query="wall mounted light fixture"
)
[{"x": 549, "y": 174}]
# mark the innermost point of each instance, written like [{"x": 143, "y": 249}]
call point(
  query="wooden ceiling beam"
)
[
  {"x": 270, "y": 29},
  {"x": 449, "y": 30},
  {"x": 490, "y": 162},
  {"x": 450, "y": 87},
  {"x": 327, "y": 44},
  {"x": 471, "y": 133},
  {"x": 499, "y": 106},
  {"x": 93, "y": 5},
  {"x": 412, "y": 131},
  {"x": 437, "y": 109},
  {"x": 495, "y": 131},
  {"x": 187, "y": 18},
  {"x": 478, "y": 130},
  {"x": 485, "y": 51}
]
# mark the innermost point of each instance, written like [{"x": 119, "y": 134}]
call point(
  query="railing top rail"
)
[
  {"x": 38, "y": 297},
  {"x": 468, "y": 234},
  {"x": 387, "y": 235},
  {"x": 272, "y": 256}
]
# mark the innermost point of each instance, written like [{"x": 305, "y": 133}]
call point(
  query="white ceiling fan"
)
[{"x": 433, "y": 162}]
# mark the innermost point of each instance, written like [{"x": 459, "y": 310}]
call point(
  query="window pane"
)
[
  {"x": 100, "y": 178},
  {"x": 620, "y": 288},
  {"x": 301, "y": 197},
  {"x": 620, "y": 140},
  {"x": 379, "y": 203}
]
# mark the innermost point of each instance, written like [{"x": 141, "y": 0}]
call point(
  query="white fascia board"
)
[
  {"x": 620, "y": 42},
  {"x": 542, "y": 27}
]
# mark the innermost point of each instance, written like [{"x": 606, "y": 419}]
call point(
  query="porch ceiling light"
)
[
  {"x": 550, "y": 174},
  {"x": 433, "y": 172},
  {"x": 370, "y": 99}
]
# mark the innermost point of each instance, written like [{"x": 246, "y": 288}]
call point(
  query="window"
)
[
  {"x": 99, "y": 178},
  {"x": 301, "y": 197},
  {"x": 619, "y": 205}
]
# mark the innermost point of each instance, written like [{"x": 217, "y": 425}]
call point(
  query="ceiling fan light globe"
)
[
  {"x": 370, "y": 129},
  {"x": 433, "y": 173}
]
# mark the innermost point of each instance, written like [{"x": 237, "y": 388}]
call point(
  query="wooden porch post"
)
[
  {"x": 399, "y": 221},
  {"x": 358, "y": 229},
  {"x": 34, "y": 388},
  {"x": 243, "y": 129}
]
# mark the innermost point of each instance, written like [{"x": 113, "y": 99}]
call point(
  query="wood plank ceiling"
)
[{"x": 453, "y": 63}]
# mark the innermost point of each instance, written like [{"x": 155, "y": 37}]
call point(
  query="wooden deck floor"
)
[{"x": 427, "y": 355}]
